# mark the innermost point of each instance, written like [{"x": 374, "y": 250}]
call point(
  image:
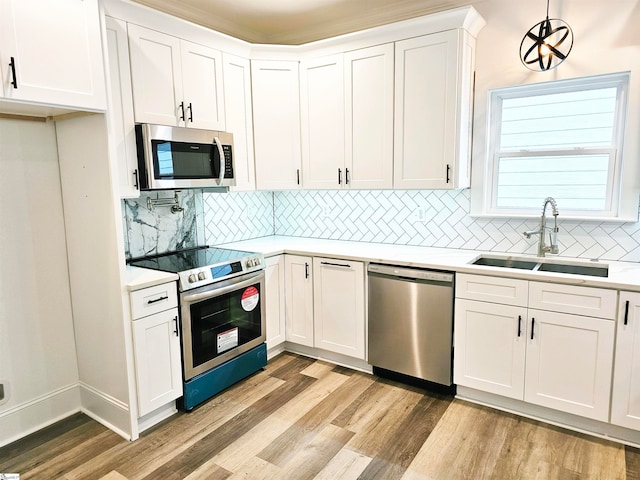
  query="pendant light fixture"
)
[{"x": 547, "y": 44}]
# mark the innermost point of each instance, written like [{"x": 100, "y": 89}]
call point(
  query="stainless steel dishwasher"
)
[{"x": 411, "y": 321}]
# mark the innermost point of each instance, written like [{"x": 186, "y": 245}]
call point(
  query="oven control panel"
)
[{"x": 199, "y": 277}]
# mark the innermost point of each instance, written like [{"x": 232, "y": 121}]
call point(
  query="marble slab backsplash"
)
[
  {"x": 207, "y": 219},
  {"x": 154, "y": 230},
  {"x": 430, "y": 218}
]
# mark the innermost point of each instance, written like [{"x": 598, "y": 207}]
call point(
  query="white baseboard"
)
[
  {"x": 36, "y": 414},
  {"x": 551, "y": 416},
  {"x": 338, "y": 359},
  {"x": 157, "y": 416},
  {"x": 274, "y": 351},
  {"x": 108, "y": 411}
]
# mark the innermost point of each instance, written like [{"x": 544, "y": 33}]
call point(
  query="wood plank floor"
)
[{"x": 304, "y": 419}]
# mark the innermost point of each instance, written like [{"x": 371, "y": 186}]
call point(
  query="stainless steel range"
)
[{"x": 222, "y": 316}]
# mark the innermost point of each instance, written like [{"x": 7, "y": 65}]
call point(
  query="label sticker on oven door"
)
[
  {"x": 227, "y": 340},
  {"x": 250, "y": 298}
]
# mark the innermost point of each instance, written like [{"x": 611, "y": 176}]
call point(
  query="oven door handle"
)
[{"x": 216, "y": 292}]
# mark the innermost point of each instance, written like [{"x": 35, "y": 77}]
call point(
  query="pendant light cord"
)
[{"x": 547, "y": 9}]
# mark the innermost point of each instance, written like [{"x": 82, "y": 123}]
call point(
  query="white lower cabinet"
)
[
  {"x": 552, "y": 359},
  {"x": 568, "y": 363},
  {"x": 490, "y": 347},
  {"x": 338, "y": 299},
  {"x": 299, "y": 299},
  {"x": 156, "y": 345},
  {"x": 625, "y": 402},
  {"x": 325, "y": 306},
  {"x": 274, "y": 281}
]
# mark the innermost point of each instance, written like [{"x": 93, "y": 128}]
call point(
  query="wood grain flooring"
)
[{"x": 305, "y": 419}]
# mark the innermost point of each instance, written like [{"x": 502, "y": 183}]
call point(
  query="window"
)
[{"x": 561, "y": 139}]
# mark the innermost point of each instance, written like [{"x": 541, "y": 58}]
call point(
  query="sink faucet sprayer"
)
[{"x": 553, "y": 232}]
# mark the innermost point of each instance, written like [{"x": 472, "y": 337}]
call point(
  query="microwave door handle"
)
[{"x": 222, "y": 162}]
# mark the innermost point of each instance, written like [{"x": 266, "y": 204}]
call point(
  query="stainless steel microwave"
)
[{"x": 179, "y": 157}]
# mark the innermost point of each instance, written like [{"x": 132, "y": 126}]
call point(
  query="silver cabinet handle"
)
[
  {"x": 343, "y": 265},
  {"x": 222, "y": 162}
]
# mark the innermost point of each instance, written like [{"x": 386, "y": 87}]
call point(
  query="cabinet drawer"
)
[
  {"x": 591, "y": 302},
  {"x": 507, "y": 291},
  {"x": 153, "y": 300}
]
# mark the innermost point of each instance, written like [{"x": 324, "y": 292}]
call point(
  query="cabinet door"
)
[
  {"x": 202, "y": 82},
  {"x": 276, "y": 124},
  {"x": 338, "y": 292},
  {"x": 299, "y": 299},
  {"x": 569, "y": 363},
  {"x": 425, "y": 110},
  {"x": 156, "y": 77},
  {"x": 625, "y": 403},
  {"x": 156, "y": 344},
  {"x": 121, "y": 109},
  {"x": 56, "y": 50},
  {"x": 368, "y": 87},
  {"x": 322, "y": 111},
  {"x": 490, "y": 345},
  {"x": 239, "y": 119},
  {"x": 274, "y": 281}
]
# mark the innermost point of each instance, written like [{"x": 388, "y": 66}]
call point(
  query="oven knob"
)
[
  {"x": 192, "y": 278},
  {"x": 249, "y": 263},
  {"x": 202, "y": 276},
  {"x": 257, "y": 261}
]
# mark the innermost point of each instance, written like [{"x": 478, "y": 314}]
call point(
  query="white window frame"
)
[{"x": 614, "y": 181}]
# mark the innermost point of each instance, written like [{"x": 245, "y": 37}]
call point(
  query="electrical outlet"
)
[
  {"x": 418, "y": 215},
  {"x": 326, "y": 211}
]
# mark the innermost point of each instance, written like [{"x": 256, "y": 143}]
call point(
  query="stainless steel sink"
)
[
  {"x": 554, "y": 266},
  {"x": 572, "y": 269},
  {"x": 505, "y": 262}
]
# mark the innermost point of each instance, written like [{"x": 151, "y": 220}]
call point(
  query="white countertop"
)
[
  {"x": 622, "y": 275},
  {"x": 138, "y": 278}
]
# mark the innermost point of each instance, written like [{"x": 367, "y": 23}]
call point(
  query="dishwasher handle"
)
[{"x": 410, "y": 273}]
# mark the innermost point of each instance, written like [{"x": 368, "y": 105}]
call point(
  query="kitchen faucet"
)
[{"x": 553, "y": 232}]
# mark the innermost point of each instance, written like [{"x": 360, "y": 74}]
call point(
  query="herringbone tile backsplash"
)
[{"x": 414, "y": 217}]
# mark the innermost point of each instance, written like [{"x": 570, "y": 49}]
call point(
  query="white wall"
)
[
  {"x": 37, "y": 347},
  {"x": 607, "y": 40}
]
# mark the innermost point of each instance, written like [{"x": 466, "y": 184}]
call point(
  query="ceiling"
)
[{"x": 293, "y": 22}]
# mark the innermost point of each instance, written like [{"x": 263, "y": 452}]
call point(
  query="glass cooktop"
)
[{"x": 185, "y": 260}]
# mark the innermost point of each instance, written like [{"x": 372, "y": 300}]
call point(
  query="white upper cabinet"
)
[
  {"x": 433, "y": 93},
  {"x": 322, "y": 112},
  {"x": 347, "y": 119},
  {"x": 156, "y": 76},
  {"x": 368, "y": 89},
  {"x": 51, "y": 53},
  {"x": 239, "y": 118},
  {"x": 276, "y": 124},
  {"x": 120, "y": 112},
  {"x": 175, "y": 82},
  {"x": 203, "y": 86}
]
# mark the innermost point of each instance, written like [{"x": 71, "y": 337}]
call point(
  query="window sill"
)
[{"x": 561, "y": 218}]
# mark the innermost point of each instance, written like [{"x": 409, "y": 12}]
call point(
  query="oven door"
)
[{"x": 221, "y": 321}]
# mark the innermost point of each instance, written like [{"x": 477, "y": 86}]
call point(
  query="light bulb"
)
[{"x": 544, "y": 49}]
